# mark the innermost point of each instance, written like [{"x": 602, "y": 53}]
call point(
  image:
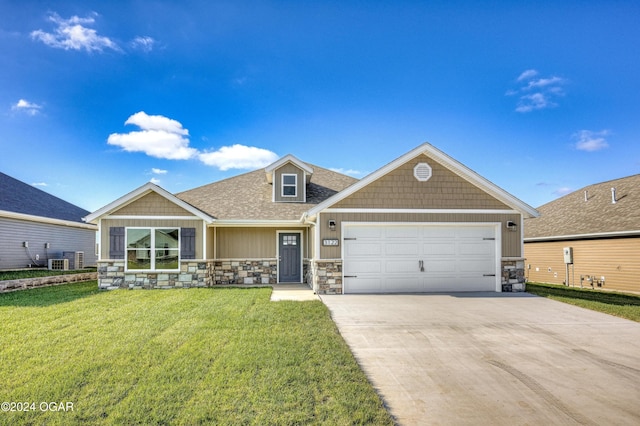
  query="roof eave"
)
[
  {"x": 47, "y": 220},
  {"x": 589, "y": 236}
]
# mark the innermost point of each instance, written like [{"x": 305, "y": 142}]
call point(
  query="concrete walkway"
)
[
  {"x": 298, "y": 292},
  {"x": 493, "y": 359}
]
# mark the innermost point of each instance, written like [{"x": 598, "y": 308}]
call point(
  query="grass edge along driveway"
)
[
  {"x": 623, "y": 305},
  {"x": 193, "y": 356}
]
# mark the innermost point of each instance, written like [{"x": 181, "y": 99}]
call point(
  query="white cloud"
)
[
  {"x": 40, "y": 184},
  {"x": 534, "y": 101},
  {"x": 537, "y": 93},
  {"x": 526, "y": 75},
  {"x": 26, "y": 107},
  {"x": 143, "y": 43},
  {"x": 238, "y": 157},
  {"x": 160, "y": 137},
  {"x": 588, "y": 140},
  {"x": 349, "y": 172},
  {"x": 74, "y": 34},
  {"x": 156, "y": 122},
  {"x": 155, "y": 181}
]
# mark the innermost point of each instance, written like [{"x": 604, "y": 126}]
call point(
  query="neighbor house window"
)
[
  {"x": 289, "y": 185},
  {"x": 153, "y": 249}
]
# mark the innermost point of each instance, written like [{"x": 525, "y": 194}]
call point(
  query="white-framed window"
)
[
  {"x": 153, "y": 249},
  {"x": 289, "y": 185}
]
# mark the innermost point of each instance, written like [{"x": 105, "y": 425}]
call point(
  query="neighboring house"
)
[
  {"x": 599, "y": 226},
  {"x": 36, "y": 226},
  {"x": 422, "y": 223}
]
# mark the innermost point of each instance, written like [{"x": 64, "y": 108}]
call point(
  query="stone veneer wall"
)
[
  {"x": 26, "y": 283},
  {"x": 328, "y": 276},
  {"x": 253, "y": 271},
  {"x": 513, "y": 275},
  {"x": 193, "y": 273}
]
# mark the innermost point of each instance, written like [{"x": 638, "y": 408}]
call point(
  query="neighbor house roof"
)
[
  {"x": 589, "y": 212},
  {"x": 249, "y": 197},
  {"x": 20, "y": 198}
]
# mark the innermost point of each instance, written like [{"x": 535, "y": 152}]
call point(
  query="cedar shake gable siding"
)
[
  {"x": 249, "y": 196},
  {"x": 401, "y": 190},
  {"x": 152, "y": 204}
]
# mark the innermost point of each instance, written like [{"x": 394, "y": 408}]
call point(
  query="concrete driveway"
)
[{"x": 493, "y": 359}]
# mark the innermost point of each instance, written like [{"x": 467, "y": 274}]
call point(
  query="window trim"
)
[
  {"x": 289, "y": 185},
  {"x": 152, "y": 249}
]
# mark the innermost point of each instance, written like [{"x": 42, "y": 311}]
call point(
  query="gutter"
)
[
  {"x": 47, "y": 220},
  {"x": 584, "y": 236}
]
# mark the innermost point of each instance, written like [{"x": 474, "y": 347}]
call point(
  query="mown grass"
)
[
  {"x": 37, "y": 273},
  {"x": 619, "y": 304},
  {"x": 196, "y": 356}
]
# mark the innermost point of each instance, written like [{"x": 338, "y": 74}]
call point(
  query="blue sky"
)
[{"x": 97, "y": 98}]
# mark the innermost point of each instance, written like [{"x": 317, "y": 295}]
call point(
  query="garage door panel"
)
[
  {"x": 364, "y": 285},
  {"x": 386, "y": 258},
  {"x": 404, "y": 232},
  {"x": 401, "y": 249},
  {"x": 437, "y": 248},
  {"x": 401, "y": 267},
  {"x": 412, "y": 284},
  {"x": 476, "y": 248},
  {"x": 360, "y": 249},
  {"x": 362, "y": 267}
]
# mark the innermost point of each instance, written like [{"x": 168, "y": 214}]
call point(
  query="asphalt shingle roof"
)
[
  {"x": 572, "y": 215},
  {"x": 19, "y": 197},
  {"x": 249, "y": 196}
]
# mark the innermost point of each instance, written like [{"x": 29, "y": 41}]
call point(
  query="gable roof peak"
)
[
  {"x": 289, "y": 158},
  {"x": 448, "y": 162},
  {"x": 141, "y": 192}
]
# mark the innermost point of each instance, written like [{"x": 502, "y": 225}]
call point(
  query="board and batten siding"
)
[
  {"x": 61, "y": 238},
  {"x": 400, "y": 189},
  {"x": 615, "y": 259},
  {"x": 511, "y": 240},
  {"x": 252, "y": 243},
  {"x": 289, "y": 169},
  {"x": 106, "y": 224}
]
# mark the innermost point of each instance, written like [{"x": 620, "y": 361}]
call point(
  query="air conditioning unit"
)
[
  {"x": 76, "y": 259},
  {"x": 59, "y": 264}
]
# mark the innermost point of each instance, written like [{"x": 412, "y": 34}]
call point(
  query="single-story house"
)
[
  {"x": 36, "y": 227},
  {"x": 422, "y": 223},
  {"x": 588, "y": 238}
]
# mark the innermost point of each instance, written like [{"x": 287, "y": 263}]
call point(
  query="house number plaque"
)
[{"x": 330, "y": 242}]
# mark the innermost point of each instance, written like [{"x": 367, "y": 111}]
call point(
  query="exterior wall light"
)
[{"x": 332, "y": 224}]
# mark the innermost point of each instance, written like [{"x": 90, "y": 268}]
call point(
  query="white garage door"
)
[{"x": 383, "y": 258}]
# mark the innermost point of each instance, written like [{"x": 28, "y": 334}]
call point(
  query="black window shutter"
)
[
  {"x": 116, "y": 242},
  {"x": 188, "y": 243}
]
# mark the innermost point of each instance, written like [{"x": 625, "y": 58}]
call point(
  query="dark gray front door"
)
[{"x": 289, "y": 258}]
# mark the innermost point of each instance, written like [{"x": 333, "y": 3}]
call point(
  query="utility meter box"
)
[{"x": 568, "y": 254}]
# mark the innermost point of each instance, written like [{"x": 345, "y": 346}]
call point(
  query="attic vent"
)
[{"x": 422, "y": 172}]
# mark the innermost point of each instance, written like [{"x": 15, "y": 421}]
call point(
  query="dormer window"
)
[{"x": 289, "y": 185}]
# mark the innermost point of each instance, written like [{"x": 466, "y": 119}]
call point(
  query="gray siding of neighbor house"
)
[{"x": 13, "y": 233}]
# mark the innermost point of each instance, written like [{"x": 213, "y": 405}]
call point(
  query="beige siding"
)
[
  {"x": 107, "y": 223},
  {"x": 152, "y": 204},
  {"x": 289, "y": 169},
  {"x": 400, "y": 189},
  {"x": 511, "y": 241},
  {"x": 616, "y": 259},
  {"x": 251, "y": 243}
]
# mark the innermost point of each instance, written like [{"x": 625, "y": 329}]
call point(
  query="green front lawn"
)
[
  {"x": 619, "y": 304},
  {"x": 196, "y": 356},
  {"x": 38, "y": 273}
]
